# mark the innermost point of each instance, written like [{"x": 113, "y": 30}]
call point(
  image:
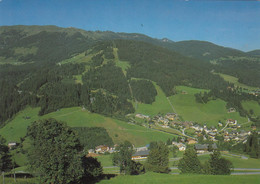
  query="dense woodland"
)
[
  {"x": 166, "y": 68},
  {"x": 143, "y": 91},
  {"x": 246, "y": 69},
  {"x": 91, "y": 137}
]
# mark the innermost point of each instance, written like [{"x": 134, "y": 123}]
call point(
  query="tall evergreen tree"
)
[
  {"x": 123, "y": 156},
  {"x": 252, "y": 146},
  {"x": 190, "y": 162},
  {"x": 218, "y": 165},
  {"x": 158, "y": 159},
  {"x": 5, "y": 157}
]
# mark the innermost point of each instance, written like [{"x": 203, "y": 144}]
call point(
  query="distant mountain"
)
[
  {"x": 204, "y": 50},
  {"x": 198, "y": 49}
]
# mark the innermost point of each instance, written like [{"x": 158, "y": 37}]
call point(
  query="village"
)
[{"x": 229, "y": 131}]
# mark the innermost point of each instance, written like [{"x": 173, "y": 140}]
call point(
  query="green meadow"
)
[
  {"x": 80, "y": 58},
  {"x": 151, "y": 178},
  {"x": 122, "y": 64},
  {"x": 76, "y": 117},
  {"x": 237, "y": 161},
  {"x": 209, "y": 113}
]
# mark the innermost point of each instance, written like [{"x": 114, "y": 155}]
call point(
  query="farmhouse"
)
[
  {"x": 232, "y": 122},
  {"x": 101, "y": 149},
  {"x": 140, "y": 155},
  {"x": 181, "y": 146},
  {"x": 230, "y": 110},
  {"x": 191, "y": 141},
  {"x": 202, "y": 148},
  {"x": 171, "y": 116}
]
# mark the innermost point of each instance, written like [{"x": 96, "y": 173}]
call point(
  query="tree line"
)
[{"x": 91, "y": 137}]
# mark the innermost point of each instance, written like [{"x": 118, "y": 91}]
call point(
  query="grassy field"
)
[
  {"x": 209, "y": 113},
  {"x": 247, "y": 105},
  {"x": 160, "y": 105},
  {"x": 150, "y": 178},
  {"x": 76, "y": 117},
  {"x": 234, "y": 80},
  {"x": 122, "y": 64},
  {"x": 237, "y": 161},
  {"x": 80, "y": 58},
  {"x": 18, "y": 180}
]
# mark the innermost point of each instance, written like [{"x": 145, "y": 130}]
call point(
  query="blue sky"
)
[{"x": 229, "y": 23}]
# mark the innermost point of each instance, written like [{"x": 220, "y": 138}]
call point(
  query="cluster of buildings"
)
[
  {"x": 234, "y": 135},
  {"x": 161, "y": 120},
  {"x": 101, "y": 149}
]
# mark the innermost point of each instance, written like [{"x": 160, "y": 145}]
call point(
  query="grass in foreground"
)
[
  {"x": 18, "y": 180},
  {"x": 150, "y": 178}
]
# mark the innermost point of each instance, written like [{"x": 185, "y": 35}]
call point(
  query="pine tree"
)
[
  {"x": 123, "y": 157},
  {"x": 190, "y": 162},
  {"x": 158, "y": 160},
  {"x": 5, "y": 157},
  {"x": 218, "y": 165}
]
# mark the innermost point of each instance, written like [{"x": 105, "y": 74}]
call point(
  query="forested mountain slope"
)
[{"x": 53, "y": 68}]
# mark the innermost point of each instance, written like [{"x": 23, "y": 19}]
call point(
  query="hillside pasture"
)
[
  {"x": 118, "y": 130},
  {"x": 247, "y": 105},
  {"x": 210, "y": 113}
]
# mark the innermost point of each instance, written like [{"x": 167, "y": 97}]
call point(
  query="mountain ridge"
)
[{"x": 194, "y": 48}]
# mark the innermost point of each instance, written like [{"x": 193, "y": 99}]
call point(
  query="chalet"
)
[
  {"x": 202, "y": 148},
  {"x": 140, "y": 155},
  {"x": 181, "y": 146},
  {"x": 91, "y": 151},
  {"x": 101, "y": 149},
  {"x": 141, "y": 148},
  {"x": 197, "y": 128},
  {"x": 171, "y": 116},
  {"x": 191, "y": 141},
  {"x": 232, "y": 122},
  {"x": 226, "y": 138}
]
